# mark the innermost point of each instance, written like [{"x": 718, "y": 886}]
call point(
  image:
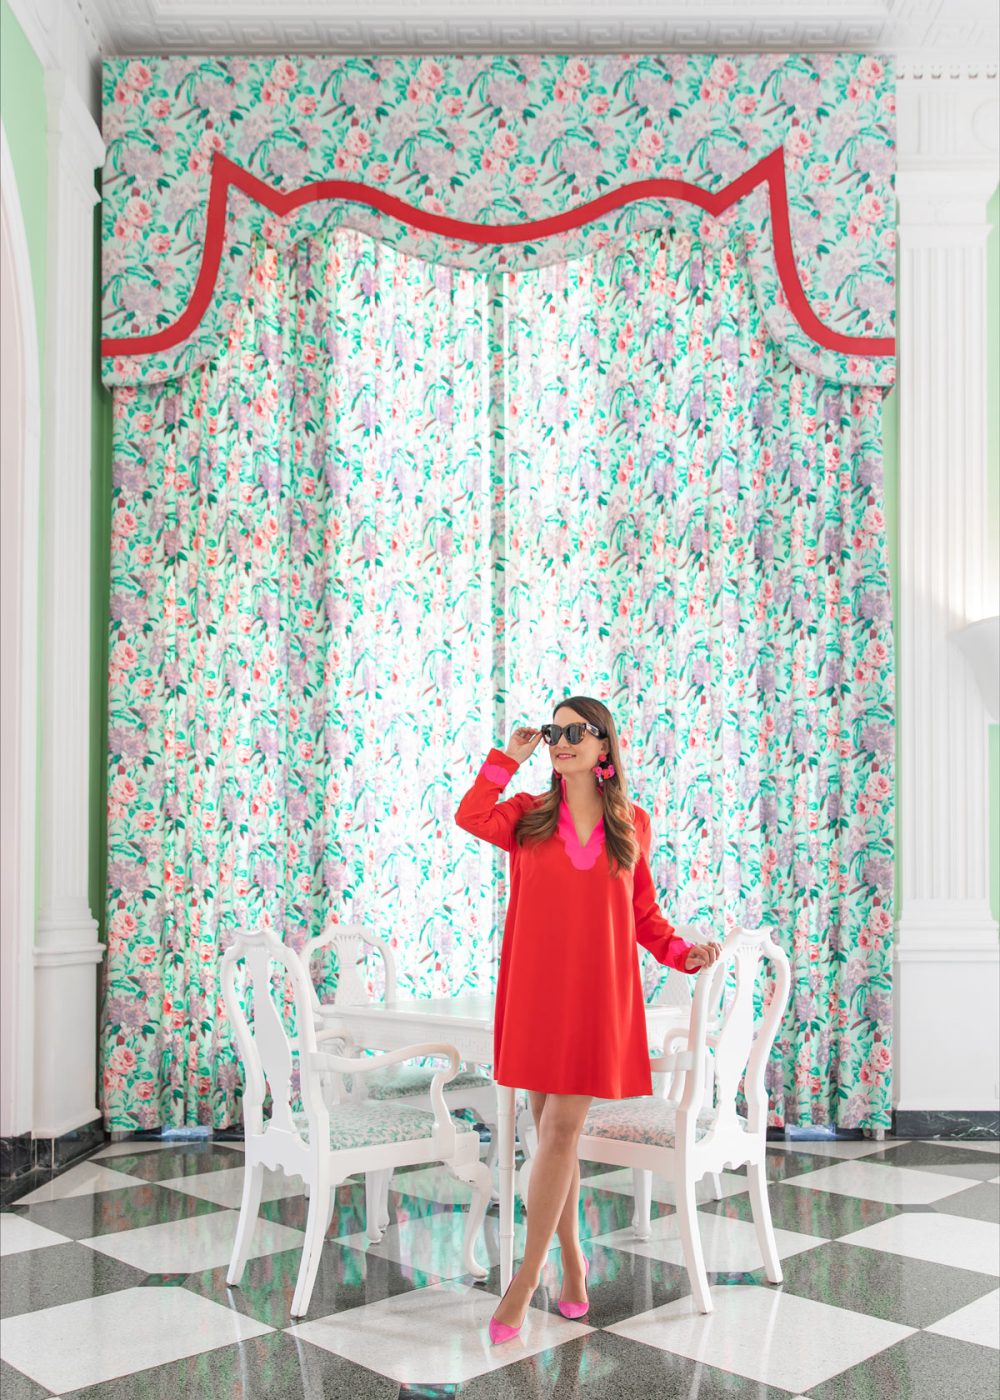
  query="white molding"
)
[
  {"x": 20, "y": 670},
  {"x": 930, "y": 36},
  {"x": 946, "y": 964},
  {"x": 67, "y": 947}
]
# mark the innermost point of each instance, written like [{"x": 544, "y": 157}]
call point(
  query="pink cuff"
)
[{"x": 496, "y": 774}]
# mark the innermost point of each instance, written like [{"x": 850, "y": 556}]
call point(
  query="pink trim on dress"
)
[
  {"x": 496, "y": 773},
  {"x": 583, "y": 857}
]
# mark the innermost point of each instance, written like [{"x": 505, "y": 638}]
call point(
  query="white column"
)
[
  {"x": 67, "y": 949},
  {"x": 946, "y": 964}
]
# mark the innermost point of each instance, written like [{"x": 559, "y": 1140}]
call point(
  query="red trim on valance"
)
[{"x": 770, "y": 170}]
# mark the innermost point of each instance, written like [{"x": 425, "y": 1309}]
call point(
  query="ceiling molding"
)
[
  {"x": 954, "y": 40},
  {"x": 914, "y": 30}
]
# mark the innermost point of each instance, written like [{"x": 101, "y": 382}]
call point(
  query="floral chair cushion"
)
[
  {"x": 644, "y": 1119},
  {"x": 395, "y": 1081},
  {"x": 373, "y": 1124}
]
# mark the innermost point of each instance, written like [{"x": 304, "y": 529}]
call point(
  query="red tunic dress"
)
[{"x": 569, "y": 1015}]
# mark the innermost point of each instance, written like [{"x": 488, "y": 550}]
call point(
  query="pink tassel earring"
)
[{"x": 603, "y": 771}]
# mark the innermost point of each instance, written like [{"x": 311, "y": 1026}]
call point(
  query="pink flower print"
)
[
  {"x": 870, "y": 208},
  {"x": 798, "y": 141},
  {"x": 122, "y": 1060},
  {"x": 138, "y": 76},
  {"x": 650, "y": 143},
  {"x": 284, "y": 73},
  {"x": 430, "y": 74},
  {"x": 723, "y": 73},
  {"x": 126, "y": 96},
  {"x": 138, "y": 212},
  {"x": 505, "y": 143},
  {"x": 306, "y": 104},
  {"x": 575, "y": 73},
  {"x": 357, "y": 142},
  {"x": 869, "y": 71},
  {"x": 270, "y": 93}
]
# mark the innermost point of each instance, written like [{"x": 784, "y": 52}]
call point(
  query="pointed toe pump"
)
[
  {"x": 501, "y": 1331},
  {"x": 577, "y": 1309}
]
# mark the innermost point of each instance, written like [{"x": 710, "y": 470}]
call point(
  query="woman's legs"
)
[
  {"x": 568, "y": 1228},
  {"x": 552, "y": 1172}
]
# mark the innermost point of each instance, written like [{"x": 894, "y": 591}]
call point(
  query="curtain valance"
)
[{"x": 500, "y": 161}]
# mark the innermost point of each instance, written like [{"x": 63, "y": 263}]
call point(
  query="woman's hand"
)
[
  {"x": 523, "y": 743},
  {"x": 702, "y": 955}
]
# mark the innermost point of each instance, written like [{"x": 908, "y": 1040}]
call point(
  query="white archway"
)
[{"x": 19, "y": 545}]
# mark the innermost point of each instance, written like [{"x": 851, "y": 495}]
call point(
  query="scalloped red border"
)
[{"x": 770, "y": 169}]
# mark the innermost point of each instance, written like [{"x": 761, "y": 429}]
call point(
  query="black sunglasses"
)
[{"x": 552, "y": 733}]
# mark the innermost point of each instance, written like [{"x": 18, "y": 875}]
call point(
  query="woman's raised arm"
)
[{"x": 481, "y": 814}]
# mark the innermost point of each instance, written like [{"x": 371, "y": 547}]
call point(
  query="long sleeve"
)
[
  {"x": 652, "y": 930},
  {"x": 481, "y": 814}
]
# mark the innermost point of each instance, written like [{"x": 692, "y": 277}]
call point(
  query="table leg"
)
[{"x": 505, "y": 1163}]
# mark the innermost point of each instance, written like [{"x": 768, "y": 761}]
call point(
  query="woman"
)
[{"x": 569, "y": 1021}]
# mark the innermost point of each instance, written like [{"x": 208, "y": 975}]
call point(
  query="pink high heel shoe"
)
[
  {"x": 577, "y": 1309},
  {"x": 501, "y": 1331}
]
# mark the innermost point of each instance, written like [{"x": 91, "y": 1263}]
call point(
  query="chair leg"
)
[
  {"x": 493, "y": 1149},
  {"x": 694, "y": 1258},
  {"x": 374, "y": 1223},
  {"x": 383, "y": 1208},
  {"x": 312, "y": 1247},
  {"x": 478, "y": 1174},
  {"x": 253, "y": 1186},
  {"x": 761, "y": 1207},
  {"x": 716, "y": 1186},
  {"x": 642, "y": 1192}
]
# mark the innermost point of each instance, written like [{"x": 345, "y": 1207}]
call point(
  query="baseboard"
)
[
  {"x": 26, "y": 1161},
  {"x": 975, "y": 1126}
]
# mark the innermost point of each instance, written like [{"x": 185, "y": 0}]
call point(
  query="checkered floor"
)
[{"x": 113, "y": 1286}]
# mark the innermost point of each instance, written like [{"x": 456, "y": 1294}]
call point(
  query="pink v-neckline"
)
[{"x": 583, "y": 855}]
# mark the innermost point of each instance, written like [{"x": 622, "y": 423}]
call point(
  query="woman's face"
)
[{"x": 579, "y": 757}]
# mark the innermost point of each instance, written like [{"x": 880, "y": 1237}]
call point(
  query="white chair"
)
[
  {"x": 469, "y": 1088},
  {"x": 684, "y": 1141},
  {"x": 676, "y": 995},
  {"x": 325, "y": 1145}
]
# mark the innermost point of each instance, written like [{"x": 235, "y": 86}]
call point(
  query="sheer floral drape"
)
[
  {"x": 410, "y": 505},
  {"x": 300, "y": 630},
  {"x": 695, "y": 533}
]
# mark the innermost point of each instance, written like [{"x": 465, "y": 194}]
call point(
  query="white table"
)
[{"x": 467, "y": 1023}]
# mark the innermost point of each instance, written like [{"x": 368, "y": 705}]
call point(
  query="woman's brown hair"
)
[{"x": 541, "y": 820}]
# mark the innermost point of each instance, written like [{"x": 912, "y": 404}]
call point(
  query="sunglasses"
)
[{"x": 552, "y": 733}]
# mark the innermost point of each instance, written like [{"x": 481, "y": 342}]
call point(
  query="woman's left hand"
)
[{"x": 702, "y": 955}]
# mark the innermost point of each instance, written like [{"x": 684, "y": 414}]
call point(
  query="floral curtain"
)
[{"x": 411, "y": 506}]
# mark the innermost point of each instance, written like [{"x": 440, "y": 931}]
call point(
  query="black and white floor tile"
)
[{"x": 113, "y": 1282}]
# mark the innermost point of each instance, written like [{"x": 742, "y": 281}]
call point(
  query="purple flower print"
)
[
  {"x": 879, "y": 740},
  {"x": 218, "y": 98},
  {"x": 127, "y": 744},
  {"x": 143, "y": 300},
  {"x": 877, "y": 871},
  {"x": 144, "y": 164},
  {"x": 290, "y": 164},
  {"x": 360, "y": 92},
  {"x": 801, "y": 93},
  {"x": 129, "y": 877}
]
